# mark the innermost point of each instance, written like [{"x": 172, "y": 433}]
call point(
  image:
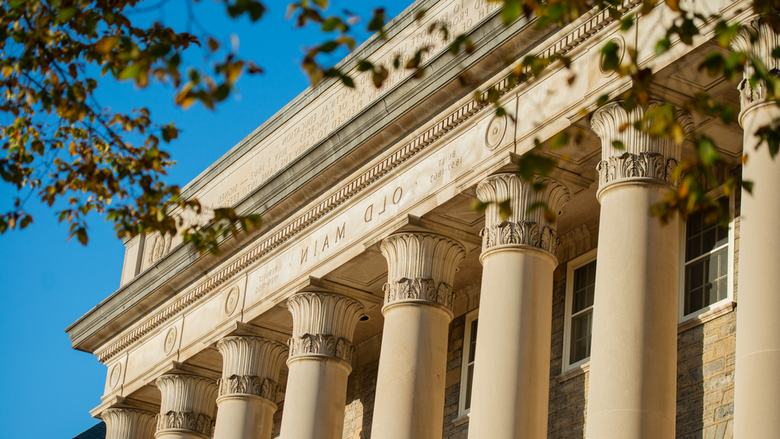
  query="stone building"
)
[{"x": 374, "y": 302}]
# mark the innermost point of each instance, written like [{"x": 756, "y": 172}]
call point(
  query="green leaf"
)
[
  {"x": 617, "y": 144},
  {"x": 129, "y": 72},
  {"x": 65, "y": 14}
]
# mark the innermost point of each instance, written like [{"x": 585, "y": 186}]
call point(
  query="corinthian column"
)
[
  {"x": 247, "y": 389},
  {"x": 512, "y": 364},
  {"x": 126, "y": 423},
  {"x": 187, "y": 407},
  {"x": 756, "y": 401},
  {"x": 413, "y": 360},
  {"x": 320, "y": 362},
  {"x": 632, "y": 388}
]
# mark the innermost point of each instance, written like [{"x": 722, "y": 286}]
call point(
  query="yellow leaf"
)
[
  {"x": 105, "y": 44},
  {"x": 8, "y": 71}
]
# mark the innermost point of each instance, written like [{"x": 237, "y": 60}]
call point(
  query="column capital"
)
[
  {"x": 188, "y": 403},
  {"x": 421, "y": 268},
  {"x": 128, "y": 423},
  {"x": 756, "y": 38},
  {"x": 323, "y": 325},
  {"x": 250, "y": 366},
  {"x": 522, "y": 227},
  {"x": 644, "y": 156}
]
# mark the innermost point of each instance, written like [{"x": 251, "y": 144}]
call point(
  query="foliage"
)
[{"x": 63, "y": 147}]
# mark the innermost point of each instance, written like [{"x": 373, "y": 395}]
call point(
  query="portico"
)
[{"x": 375, "y": 302}]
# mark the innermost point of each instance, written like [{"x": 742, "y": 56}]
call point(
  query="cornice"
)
[{"x": 572, "y": 39}]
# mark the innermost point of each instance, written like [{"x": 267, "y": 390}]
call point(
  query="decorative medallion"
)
[
  {"x": 159, "y": 246},
  {"x": 231, "y": 301},
  {"x": 116, "y": 373},
  {"x": 170, "y": 340},
  {"x": 495, "y": 132},
  {"x": 621, "y": 51}
]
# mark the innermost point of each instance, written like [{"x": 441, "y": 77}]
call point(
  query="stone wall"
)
[
  {"x": 568, "y": 394},
  {"x": 456, "y": 429},
  {"x": 361, "y": 389}
]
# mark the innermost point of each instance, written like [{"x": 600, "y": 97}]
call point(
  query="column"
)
[
  {"x": 633, "y": 363},
  {"x": 127, "y": 423},
  {"x": 187, "y": 407},
  {"x": 247, "y": 389},
  {"x": 319, "y": 362},
  {"x": 756, "y": 396},
  {"x": 510, "y": 393},
  {"x": 418, "y": 310}
]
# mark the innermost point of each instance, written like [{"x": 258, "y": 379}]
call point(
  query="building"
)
[{"x": 374, "y": 302}]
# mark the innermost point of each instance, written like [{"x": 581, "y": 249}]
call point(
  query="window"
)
[
  {"x": 580, "y": 294},
  {"x": 467, "y": 369},
  {"x": 707, "y": 264}
]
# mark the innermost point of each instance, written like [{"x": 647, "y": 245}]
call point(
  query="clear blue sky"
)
[{"x": 47, "y": 283}]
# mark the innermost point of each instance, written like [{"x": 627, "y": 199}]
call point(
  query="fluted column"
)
[
  {"x": 247, "y": 389},
  {"x": 413, "y": 360},
  {"x": 632, "y": 387},
  {"x": 127, "y": 423},
  {"x": 319, "y": 362},
  {"x": 756, "y": 400},
  {"x": 512, "y": 365},
  {"x": 187, "y": 408}
]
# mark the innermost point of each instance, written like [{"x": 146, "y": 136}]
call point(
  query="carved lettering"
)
[
  {"x": 341, "y": 233},
  {"x": 369, "y": 213}
]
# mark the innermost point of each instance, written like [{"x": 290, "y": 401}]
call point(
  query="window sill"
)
[
  {"x": 461, "y": 420},
  {"x": 574, "y": 372},
  {"x": 712, "y": 314}
]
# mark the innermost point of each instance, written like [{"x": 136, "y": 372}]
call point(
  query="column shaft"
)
[
  {"x": 248, "y": 387},
  {"x": 512, "y": 364},
  {"x": 319, "y": 364},
  {"x": 413, "y": 361},
  {"x": 632, "y": 387},
  {"x": 757, "y": 384}
]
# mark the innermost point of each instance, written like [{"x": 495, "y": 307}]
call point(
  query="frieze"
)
[
  {"x": 563, "y": 45},
  {"x": 248, "y": 385}
]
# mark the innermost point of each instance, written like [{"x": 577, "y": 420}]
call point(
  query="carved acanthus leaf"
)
[
  {"x": 248, "y": 385},
  {"x": 186, "y": 420},
  {"x": 419, "y": 289},
  {"x": 522, "y": 233},
  {"x": 321, "y": 344}
]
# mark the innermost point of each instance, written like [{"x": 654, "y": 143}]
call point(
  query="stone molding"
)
[
  {"x": 323, "y": 325},
  {"x": 758, "y": 39},
  {"x": 421, "y": 267},
  {"x": 250, "y": 366},
  {"x": 643, "y": 156},
  {"x": 188, "y": 403},
  {"x": 565, "y": 44},
  {"x": 522, "y": 227},
  {"x": 127, "y": 423}
]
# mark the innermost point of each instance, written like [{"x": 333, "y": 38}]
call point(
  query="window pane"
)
[
  {"x": 473, "y": 341},
  {"x": 695, "y": 274},
  {"x": 580, "y": 337},
  {"x": 469, "y": 381},
  {"x": 694, "y": 248},
  {"x": 584, "y": 287},
  {"x": 723, "y": 288}
]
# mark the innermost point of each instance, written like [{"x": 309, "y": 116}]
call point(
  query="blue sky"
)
[{"x": 47, "y": 283}]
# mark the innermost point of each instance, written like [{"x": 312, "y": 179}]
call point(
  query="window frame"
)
[
  {"x": 716, "y": 194},
  {"x": 571, "y": 266},
  {"x": 466, "y": 352}
]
